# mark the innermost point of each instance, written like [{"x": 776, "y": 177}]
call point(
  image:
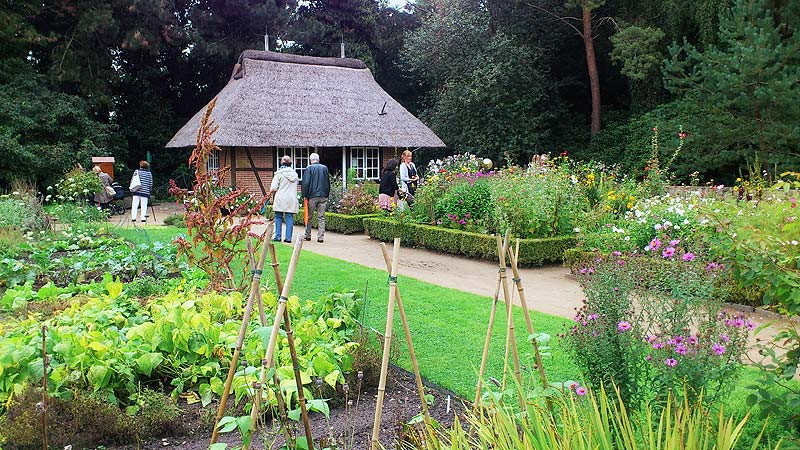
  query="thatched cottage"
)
[{"x": 279, "y": 104}]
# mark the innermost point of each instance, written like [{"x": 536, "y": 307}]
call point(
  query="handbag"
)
[
  {"x": 136, "y": 184},
  {"x": 110, "y": 191}
]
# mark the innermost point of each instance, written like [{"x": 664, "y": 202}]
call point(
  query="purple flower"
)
[
  {"x": 658, "y": 345},
  {"x": 678, "y": 339},
  {"x": 674, "y": 242},
  {"x": 724, "y": 337},
  {"x": 462, "y": 222},
  {"x": 719, "y": 349},
  {"x": 738, "y": 322},
  {"x": 681, "y": 349},
  {"x": 590, "y": 270},
  {"x": 582, "y": 271},
  {"x": 655, "y": 244},
  {"x": 617, "y": 253},
  {"x": 750, "y": 325},
  {"x": 651, "y": 338},
  {"x": 693, "y": 340},
  {"x": 623, "y": 326},
  {"x": 593, "y": 316},
  {"x": 648, "y": 358},
  {"x": 668, "y": 252},
  {"x": 620, "y": 262},
  {"x": 580, "y": 391},
  {"x": 671, "y": 362},
  {"x": 713, "y": 266},
  {"x": 688, "y": 256}
]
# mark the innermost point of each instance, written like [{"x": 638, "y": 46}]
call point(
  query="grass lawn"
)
[{"x": 448, "y": 326}]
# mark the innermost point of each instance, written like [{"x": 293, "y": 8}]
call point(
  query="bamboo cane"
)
[
  {"x": 407, "y": 330},
  {"x": 387, "y": 342},
  {"x": 254, "y": 287},
  {"x": 485, "y": 355},
  {"x": 510, "y": 316},
  {"x": 44, "y": 387},
  {"x": 287, "y": 323},
  {"x": 514, "y": 256},
  {"x": 280, "y": 314},
  {"x": 263, "y": 320},
  {"x": 508, "y": 341}
]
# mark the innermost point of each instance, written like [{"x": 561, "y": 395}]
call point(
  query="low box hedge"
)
[
  {"x": 532, "y": 252},
  {"x": 340, "y": 223}
]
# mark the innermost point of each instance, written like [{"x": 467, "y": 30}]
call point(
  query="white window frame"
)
[
  {"x": 299, "y": 157},
  {"x": 212, "y": 165},
  {"x": 366, "y": 161}
]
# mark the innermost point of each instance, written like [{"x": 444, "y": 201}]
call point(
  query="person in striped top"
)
[{"x": 142, "y": 195}]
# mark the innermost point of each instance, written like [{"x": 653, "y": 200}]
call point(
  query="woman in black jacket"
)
[{"x": 387, "y": 195}]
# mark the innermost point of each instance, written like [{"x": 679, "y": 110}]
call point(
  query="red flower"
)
[
  {"x": 564, "y": 153},
  {"x": 682, "y": 135}
]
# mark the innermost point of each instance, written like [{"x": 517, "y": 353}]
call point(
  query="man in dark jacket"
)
[{"x": 316, "y": 187}]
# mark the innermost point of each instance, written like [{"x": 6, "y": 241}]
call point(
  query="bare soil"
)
[{"x": 348, "y": 427}]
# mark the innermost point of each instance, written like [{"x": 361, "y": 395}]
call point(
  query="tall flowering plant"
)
[
  {"x": 651, "y": 324},
  {"x": 218, "y": 219}
]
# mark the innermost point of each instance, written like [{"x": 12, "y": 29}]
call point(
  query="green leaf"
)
[
  {"x": 114, "y": 289},
  {"x": 98, "y": 376},
  {"x": 205, "y": 393},
  {"x": 227, "y": 424},
  {"x": 149, "y": 361},
  {"x": 319, "y": 405},
  {"x": 218, "y": 446},
  {"x": 332, "y": 378}
]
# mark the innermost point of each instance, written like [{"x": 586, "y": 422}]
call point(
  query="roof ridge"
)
[{"x": 266, "y": 55}]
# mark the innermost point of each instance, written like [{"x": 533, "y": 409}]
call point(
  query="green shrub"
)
[
  {"x": 22, "y": 211},
  {"x": 359, "y": 200},
  {"x": 77, "y": 185},
  {"x": 533, "y": 252},
  {"x": 340, "y": 223},
  {"x": 467, "y": 205},
  {"x": 75, "y": 213},
  {"x": 175, "y": 220}
]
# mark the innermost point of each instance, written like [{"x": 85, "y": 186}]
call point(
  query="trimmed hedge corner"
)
[
  {"x": 339, "y": 223},
  {"x": 532, "y": 252}
]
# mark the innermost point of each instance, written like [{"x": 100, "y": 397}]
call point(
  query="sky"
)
[{"x": 399, "y": 3}]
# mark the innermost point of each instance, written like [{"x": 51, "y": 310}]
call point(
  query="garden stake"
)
[
  {"x": 287, "y": 323},
  {"x": 501, "y": 250},
  {"x": 514, "y": 256},
  {"x": 485, "y": 356},
  {"x": 263, "y": 319},
  {"x": 44, "y": 387},
  {"x": 387, "y": 342},
  {"x": 281, "y": 313},
  {"x": 255, "y": 287},
  {"x": 411, "y": 353}
]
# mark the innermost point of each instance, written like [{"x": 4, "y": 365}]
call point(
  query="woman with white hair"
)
[{"x": 285, "y": 204}]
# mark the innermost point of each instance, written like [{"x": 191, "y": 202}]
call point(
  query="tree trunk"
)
[{"x": 591, "y": 64}]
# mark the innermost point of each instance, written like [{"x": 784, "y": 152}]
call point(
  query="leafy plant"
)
[
  {"x": 217, "y": 222},
  {"x": 77, "y": 185},
  {"x": 361, "y": 199}
]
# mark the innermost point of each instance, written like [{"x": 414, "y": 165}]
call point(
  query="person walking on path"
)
[
  {"x": 316, "y": 187},
  {"x": 141, "y": 195},
  {"x": 409, "y": 178},
  {"x": 387, "y": 193},
  {"x": 285, "y": 204},
  {"x": 102, "y": 197}
]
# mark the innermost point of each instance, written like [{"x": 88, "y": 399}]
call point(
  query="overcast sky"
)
[{"x": 399, "y": 3}]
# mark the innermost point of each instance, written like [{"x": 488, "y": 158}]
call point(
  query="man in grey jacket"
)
[{"x": 316, "y": 187}]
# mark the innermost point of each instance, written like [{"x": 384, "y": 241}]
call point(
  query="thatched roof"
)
[{"x": 276, "y": 99}]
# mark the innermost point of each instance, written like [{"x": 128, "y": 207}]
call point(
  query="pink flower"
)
[
  {"x": 620, "y": 262},
  {"x": 574, "y": 385},
  {"x": 623, "y": 326},
  {"x": 719, "y": 349},
  {"x": 724, "y": 337},
  {"x": 590, "y": 270},
  {"x": 658, "y": 345},
  {"x": 688, "y": 256},
  {"x": 671, "y": 362},
  {"x": 693, "y": 340},
  {"x": 750, "y": 325},
  {"x": 617, "y": 253},
  {"x": 668, "y": 252},
  {"x": 592, "y": 316},
  {"x": 655, "y": 244},
  {"x": 648, "y": 358},
  {"x": 794, "y": 202},
  {"x": 681, "y": 349},
  {"x": 582, "y": 271},
  {"x": 651, "y": 338},
  {"x": 674, "y": 242},
  {"x": 738, "y": 322},
  {"x": 581, "y": 391}
]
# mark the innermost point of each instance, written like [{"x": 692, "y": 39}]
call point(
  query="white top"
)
[
  {"x": 404, "y": 177},
  {"x": 284, "y": 182}
]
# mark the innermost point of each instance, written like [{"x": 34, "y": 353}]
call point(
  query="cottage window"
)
[
  {"x": 366, "y": 161},
  {"x": 212, "y": 165},
  {"x": 299, "y": 157}
]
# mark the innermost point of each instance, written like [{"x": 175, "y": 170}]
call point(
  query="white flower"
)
[
  {"x": 686, "y": 221},
  {"x": 794, "y": 242},
  {"x": 657, "y": 226},
  {"x": 667, "y": 224},
  {"x": 577, "y": 229},
  {"x": 627, "y": 238},
  {"x": 15, "y": 193}
]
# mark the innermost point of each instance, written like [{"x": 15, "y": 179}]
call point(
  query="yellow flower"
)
[{"x": 738, "y": 180}]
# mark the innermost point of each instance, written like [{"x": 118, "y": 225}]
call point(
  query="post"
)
[
  {"x": 344, "y": 167},
  {"x": 279, "y": 314},
  {"x": 485, "y": 355},
  {"x": 510, "y": 317},
  {"x": 387, "y": 343},
  {"x": 341, "y": 47},
  {"x": 412, "y": 355},
  {"x": 254, "y": 286},
  {"x": 44, "y": 387}
]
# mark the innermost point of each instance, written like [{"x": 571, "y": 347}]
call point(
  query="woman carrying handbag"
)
[{"x": 141, "y": 183}]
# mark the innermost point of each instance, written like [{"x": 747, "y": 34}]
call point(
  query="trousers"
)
[{"x": 136, "y": 201}]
